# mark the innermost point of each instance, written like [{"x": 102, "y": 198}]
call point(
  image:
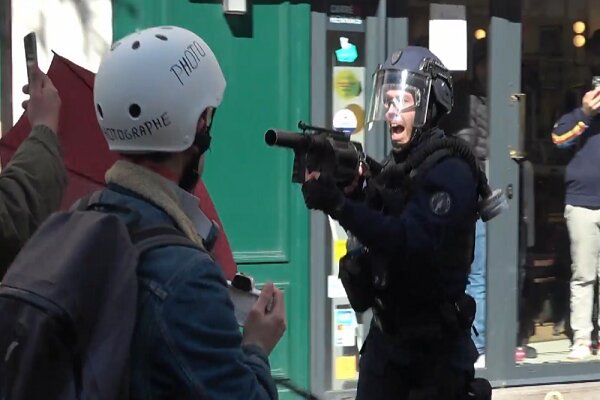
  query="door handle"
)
[{"x": 517, "y": 152}]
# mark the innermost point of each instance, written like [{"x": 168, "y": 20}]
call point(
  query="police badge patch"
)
[{"x": 440, "y": 203}]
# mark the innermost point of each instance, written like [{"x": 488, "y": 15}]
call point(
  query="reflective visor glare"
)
[
  {"x": 401, "y": 99},
  {"x": 396, "y": 92}
]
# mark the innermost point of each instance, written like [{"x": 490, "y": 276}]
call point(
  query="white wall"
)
[{"x": 80, "y": 30}]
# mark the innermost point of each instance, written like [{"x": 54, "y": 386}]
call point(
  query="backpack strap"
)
[
  {"x": 94, "y": 202},
  {"x": 160, "y": 236},
  {"x": 83, "y": 203},
  {"x": 155, "y": 237}
]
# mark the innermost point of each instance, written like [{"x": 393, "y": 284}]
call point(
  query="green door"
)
[{"x": 265, "y": 59}]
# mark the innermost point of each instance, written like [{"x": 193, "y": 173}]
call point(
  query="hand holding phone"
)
[
  {"x": 244, "y": 296},
  {"x": 266, "y": 324},
  {"x": 43, "y": 106},
  {"x": 31, "y": 59},
  {"x": 590, "y": 104}
]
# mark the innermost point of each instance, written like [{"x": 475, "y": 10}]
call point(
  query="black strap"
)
[
  {"x": 84, "y": 203},
  {"x": 429, "y": 162},
  {"x": 160, "y": 236},
  {"x": 289, "y": 384},
  {"x": 93, "y": 202}
]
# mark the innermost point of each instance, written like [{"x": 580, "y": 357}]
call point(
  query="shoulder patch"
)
[{"x": 440, "y": 203}]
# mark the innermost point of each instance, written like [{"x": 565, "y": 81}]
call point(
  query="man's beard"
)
[{"x": 191, "y": 176}]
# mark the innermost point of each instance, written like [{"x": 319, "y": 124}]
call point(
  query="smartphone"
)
[
  {"x": 243, "y": 294},
  {"x": 31, "y": 58},
  {"x": 243, "y": 302},
  {"x": 596, "y": 82}
]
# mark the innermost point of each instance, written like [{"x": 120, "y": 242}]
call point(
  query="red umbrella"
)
[{"x": 85, "y": 151}]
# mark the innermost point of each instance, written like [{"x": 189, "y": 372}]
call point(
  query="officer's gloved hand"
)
[{"x": 323, "y": 194}]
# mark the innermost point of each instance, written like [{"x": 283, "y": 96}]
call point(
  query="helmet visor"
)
[{"x": 396, "y": 92}]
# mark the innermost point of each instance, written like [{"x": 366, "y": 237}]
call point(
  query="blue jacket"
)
[
  {"x": 580, "y": 132},
  {"x": 438, "y": 218},
  {"x": 187, "y": 343}
]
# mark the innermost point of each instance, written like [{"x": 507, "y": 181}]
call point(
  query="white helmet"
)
[{"x": 152, "y": 87}]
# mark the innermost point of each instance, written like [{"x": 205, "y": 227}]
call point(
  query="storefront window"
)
[
  {"x": 558, "y": 305},
  {"x": 468, "y": 118},
  {"x": 556, "y": 302},
  {"x": 535, "y": 269}
]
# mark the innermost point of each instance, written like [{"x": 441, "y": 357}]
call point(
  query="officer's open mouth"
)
[{"x": 396, "y": 130}]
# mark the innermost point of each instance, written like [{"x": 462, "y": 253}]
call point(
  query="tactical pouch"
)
[
  {"x": 458, "y": 316},
  {"x": 355, "y": 274}
]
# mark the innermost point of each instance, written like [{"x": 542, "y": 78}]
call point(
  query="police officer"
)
[{"x": 411, "y": 223}]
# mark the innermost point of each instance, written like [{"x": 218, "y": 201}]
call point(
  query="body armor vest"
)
[{"x": 409, "y": 295}]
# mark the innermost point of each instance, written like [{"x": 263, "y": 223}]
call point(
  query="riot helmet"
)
[{"x": 412, "y": 79}]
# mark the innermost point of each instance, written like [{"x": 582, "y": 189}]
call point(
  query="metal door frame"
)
[{"x": 386, "y": 31}]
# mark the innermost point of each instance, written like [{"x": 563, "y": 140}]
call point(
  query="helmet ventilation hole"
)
[
  {"x": 162, "y": 37},
  {"x": 135, "y": 111},
  {"x": 135, "y": 45},
  {"x": 115, "y": 45},
  {"x": 100, "y": 111}
]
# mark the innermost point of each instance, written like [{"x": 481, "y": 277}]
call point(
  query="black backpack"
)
[{"x": 68, "y": 304}]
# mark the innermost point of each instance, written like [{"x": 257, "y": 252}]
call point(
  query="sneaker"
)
[
  {"x": 558, "y": 328},
  {"x": 530, "y": 352},
  {"x": 520, "y": 354},
  {"x": 579, "y": 352},
  {"x": 595, "y": 346}
]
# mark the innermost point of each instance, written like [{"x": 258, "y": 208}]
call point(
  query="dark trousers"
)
[
  {"x": 421, "y": 372},
  {"x": 409, "y": 383}
]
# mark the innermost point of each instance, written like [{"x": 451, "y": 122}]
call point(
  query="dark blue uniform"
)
[
  {"x": 429, "y": 247},
  {"x": 411, "y": 240}
]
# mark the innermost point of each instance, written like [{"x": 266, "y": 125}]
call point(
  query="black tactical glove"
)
[{"x": 323, "y": 194}]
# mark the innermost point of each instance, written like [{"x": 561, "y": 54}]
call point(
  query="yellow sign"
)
[
  {"x": 345, "y": 367},
  {"x": 347, "y": 84},
  {"x": 339, "y": 249}
]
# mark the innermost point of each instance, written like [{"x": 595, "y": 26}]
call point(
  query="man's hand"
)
[
  {"x": 591, "y": 103},
  {"x": 264, "y": 327},
  {"x": 43, "y": 106},
  {"x": 321, "y": 193}
]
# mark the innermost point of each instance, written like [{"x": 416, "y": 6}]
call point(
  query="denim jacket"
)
[{"x": 186, "y": 343}]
